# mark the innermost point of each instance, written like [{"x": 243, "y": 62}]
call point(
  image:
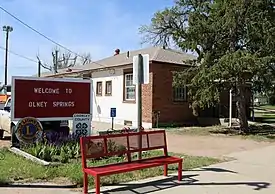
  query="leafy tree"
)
[
  {"x": 264, "y": 85},
  {"x": 234, "y": 41}
]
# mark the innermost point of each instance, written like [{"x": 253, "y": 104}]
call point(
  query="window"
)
[
  {"x": 108, "y": 88},
  {"x": 129, "y": 87},
  {"x": 5, "y": 89},
  {"x": 8, "y": 104},
  {"x": 8, "y": 88},
  {"x": 179, "y": 94},
  {"x": 87, "y": 76},
  {"x": 128, "y": 123},
  {"x": 99, "y": 88}
]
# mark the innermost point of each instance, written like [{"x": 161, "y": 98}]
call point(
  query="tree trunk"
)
[{"x": 241, "y": 107}]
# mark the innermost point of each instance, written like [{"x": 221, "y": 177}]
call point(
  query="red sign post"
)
[{"x": 50, "y": 98}]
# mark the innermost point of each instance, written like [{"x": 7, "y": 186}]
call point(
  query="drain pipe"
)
[{"x": 230, "y": 108}]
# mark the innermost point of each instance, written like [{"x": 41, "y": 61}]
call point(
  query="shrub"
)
[
  {"x": 112, "y": 146},
  {"x": 56, "y": 147}
]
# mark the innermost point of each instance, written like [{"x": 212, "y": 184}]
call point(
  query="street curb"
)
[{"x": 40, "y": 185}]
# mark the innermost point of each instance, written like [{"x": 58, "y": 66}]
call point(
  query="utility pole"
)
[
  {"x": 139, "y": 100},
  {"x": 139, "y": 91},
  {"x": 230, "y": 108},
  {"x": 56, "y": 61},
  {"x": 7, "y": 29},
  {"x": 39, "y": 69}
]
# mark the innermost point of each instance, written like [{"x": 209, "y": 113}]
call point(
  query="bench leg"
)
[
  {"x": 165, "y": 170},
  {"x": 85, "y": 183},
  {"x": 180, "y": 171},
  {"x": 97, "y": 184}
]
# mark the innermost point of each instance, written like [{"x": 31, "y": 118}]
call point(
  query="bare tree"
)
[
  {"x": 44, "y": 65},
  {"x": 67, "y": 59},
  {"x": 86, "y": 58}
]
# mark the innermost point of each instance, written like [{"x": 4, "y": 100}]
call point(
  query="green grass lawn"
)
[
  {"x": 17, "y": 169},
  {"x": 265, "y": 116},
  {"x": 268, "y": 107},
  {"x": 265, "y": 113}
]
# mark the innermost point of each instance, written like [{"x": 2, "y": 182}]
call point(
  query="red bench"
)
[{"x": 126, "y": 144}]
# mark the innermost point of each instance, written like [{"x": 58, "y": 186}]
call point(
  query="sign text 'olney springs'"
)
[
  {"x": 48, "y": 98},
  {"x": 52, "y": 91}
]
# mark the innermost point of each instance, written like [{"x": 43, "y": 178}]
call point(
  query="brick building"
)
[{"x": 113, "y": 87}]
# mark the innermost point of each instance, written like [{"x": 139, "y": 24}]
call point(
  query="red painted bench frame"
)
[{"x": 130, "y": 165}]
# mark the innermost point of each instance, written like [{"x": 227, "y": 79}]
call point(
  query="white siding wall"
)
[{"x": 103, "y": 104}]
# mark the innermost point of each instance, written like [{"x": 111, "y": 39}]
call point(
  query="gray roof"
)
[
  {"x": 155, "y": 54},
  {"x": 61, "y": 71}
]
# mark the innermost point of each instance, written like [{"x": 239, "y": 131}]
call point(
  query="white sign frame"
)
[
  {"x": 13, "y": 90},
  {"x": 146, "y": 63},
  {"x": 87, "y": 119}
]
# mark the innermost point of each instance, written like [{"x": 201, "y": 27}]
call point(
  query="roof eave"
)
[
  {"x": 171, "y": 63},
  {"x": 111, "y": 67}
]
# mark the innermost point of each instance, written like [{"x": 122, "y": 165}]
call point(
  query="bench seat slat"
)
[{"x": 132, "y": 166}]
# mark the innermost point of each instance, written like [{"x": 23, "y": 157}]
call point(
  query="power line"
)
[
  {"x": 41, "y": 34},
  {"x": 28, "y": 26},
  {"x": 21, "y": 56},
  {"x": 24, "y": 57}
]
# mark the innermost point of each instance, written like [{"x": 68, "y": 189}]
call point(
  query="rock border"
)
[{"x": 31, "y": 157}]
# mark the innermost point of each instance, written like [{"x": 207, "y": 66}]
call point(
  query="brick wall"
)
[
  {"x": 147, "y": 95},
  {"x": 162, "y": 100}
]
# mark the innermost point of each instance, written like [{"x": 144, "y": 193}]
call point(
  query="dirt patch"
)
[
  {"x": 212, "y": 146},
  {"x": 6, "y": 141}
]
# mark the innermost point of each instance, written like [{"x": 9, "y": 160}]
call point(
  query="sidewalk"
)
[{"x": 252, "y": 172}]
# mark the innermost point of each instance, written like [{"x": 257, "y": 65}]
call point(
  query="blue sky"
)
[{"x": 96, "y": 27}]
